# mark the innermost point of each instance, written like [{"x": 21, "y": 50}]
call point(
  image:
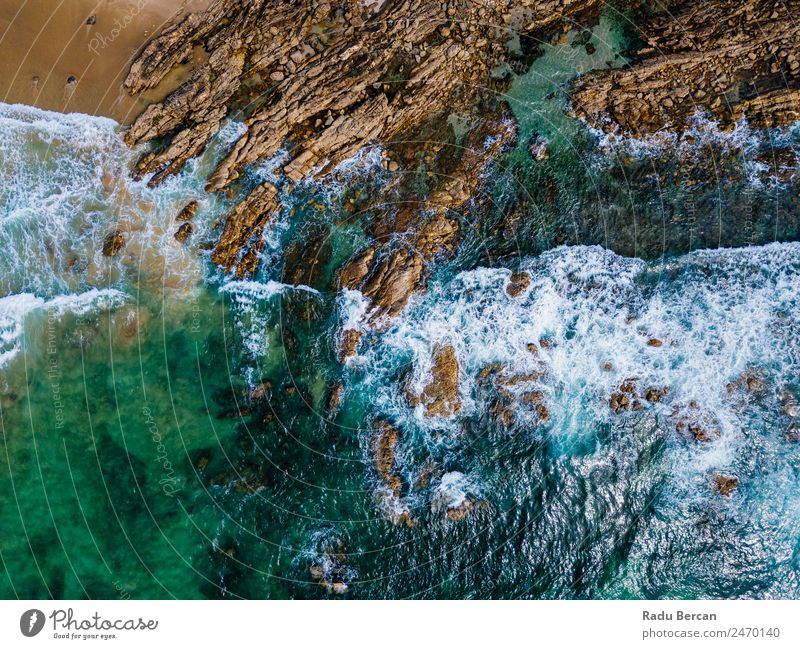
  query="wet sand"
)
[{"x": 73, "y": 55}]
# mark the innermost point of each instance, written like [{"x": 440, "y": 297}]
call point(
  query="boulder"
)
[
  {"x": 517, "y": 284},
  {"x": 725, "y": 484},
  {"x": 440, "y": 396},
  {"x": 183, "y": 232},
  {"x": 113, "y": 243},
  {"x": 188, "y": 212}
]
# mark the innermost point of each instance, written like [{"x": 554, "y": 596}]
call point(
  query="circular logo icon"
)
[{"x": 31, "y": 622}]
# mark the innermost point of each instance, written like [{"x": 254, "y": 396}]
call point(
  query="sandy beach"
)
[{"x": 72, "y": 55}]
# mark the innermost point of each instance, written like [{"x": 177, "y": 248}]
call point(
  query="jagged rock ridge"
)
[
  {"x": 728, "y": 58},
  {"x": 321, "y": 78}
]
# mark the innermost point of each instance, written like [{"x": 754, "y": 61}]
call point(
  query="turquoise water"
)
[{"x": 166, "y": 430}]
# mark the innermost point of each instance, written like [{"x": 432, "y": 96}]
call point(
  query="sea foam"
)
[{"x": 716, "y": 314}]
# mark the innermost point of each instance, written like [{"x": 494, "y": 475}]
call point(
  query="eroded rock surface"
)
[
  {"x": 321, "y": 79},
  {"x": 391, "y": 273},
  {"x": 384, "y": 447},
  {"x": 725, "y": 57},
  {"x": 333, "y": 76},
  {"x": 440, "y": 396},
  {"x": 244, "y": 227}
]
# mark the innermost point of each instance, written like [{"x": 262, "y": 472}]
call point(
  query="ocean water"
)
[{"x": 166, "y": 431}]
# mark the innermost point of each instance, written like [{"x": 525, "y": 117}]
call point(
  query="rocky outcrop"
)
[
  {"x": 331, "y": 572},
  {"x": 384, "y": 447},
  {"x": 113, "y": 243},
  {"x": 348, "y": 344},
  {"x": 243, "y": 228},
  {"x": 728, "y": 58},
  {"x": 329, "y": 76},
  {"x": 321, "y": 79},
  {"x": 188, "y": 212},
  {"x": 394, "y": 278},
  {"x": 440, "y": 397},
  {"x": 630, "y": 396},
  {"x": 515, "y": 393},
  {"x": 725, "y": 484},
  {"x": 391, "y": 273}
]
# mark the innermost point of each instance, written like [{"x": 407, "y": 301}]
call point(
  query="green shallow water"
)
[{"x": 170, "y": 436}]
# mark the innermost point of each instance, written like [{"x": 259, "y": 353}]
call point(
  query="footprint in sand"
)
[{"x": 69, "y": 87}]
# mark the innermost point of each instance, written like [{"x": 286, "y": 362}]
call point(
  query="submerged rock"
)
[
  {"x": 384, "y": 447},
  {"x": 538, "y": 147},
  {"x": 751, "y": 382},
  {"x": 331, "y": 572},
  {"x": 131, "y": 322},
  {"x": 452, "y": 497},
  {"x": 335, "y": 395}
]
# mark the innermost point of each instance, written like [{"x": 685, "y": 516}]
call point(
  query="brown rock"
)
[
  {"x": 538, "y": 148},
  {"x": 348, "y": 344},
  {"x": 517, "y": 284},
  {"x": 188, "y": 212},
  {"x": 654, "y": 342},
  {"x": 393, "y": 280},
  {"x": 724, "y": 485},
  {"x": 355, "y": 271},
  {"x": 655, "y": 395},
  {"x": 386, "y": 439},
  {"x": 183, "y": 232},
  {"x": 725, "y": 57},
  {"x": 437, "y": 235},
  {"x": 260, "y": 392},
  {"x": 619, "y": 402},
  {"x": 245, "y": 223},
  {"x": 751, "y": 382},
  {"x": 460, "y": 513},
  {"x": 335, "y": 394},
  {"x": 113, "y": 243},
  {"x": 440, "y": 397},
  {"x": 325, "y": 89},
  {"x": 384, "y": 446}
]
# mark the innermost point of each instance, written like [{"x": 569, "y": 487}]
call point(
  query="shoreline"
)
[{"x": 73, "y": 58}]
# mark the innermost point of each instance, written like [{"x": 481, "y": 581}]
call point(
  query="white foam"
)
[
  {"x": 452, "y": 489},
  {"x": 248, "y": 290},
  {"x": 14, "y": 309},
  {"x": 65, "y": 184},
  {"x": 253, "y": 312},
  {"x": 722, "y": 313}
]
